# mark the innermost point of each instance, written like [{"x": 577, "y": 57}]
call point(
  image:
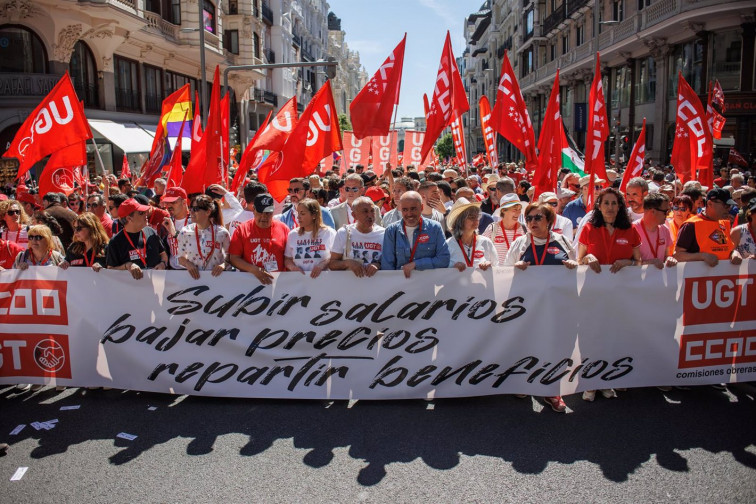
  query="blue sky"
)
[{"x": 375, "y": 27}]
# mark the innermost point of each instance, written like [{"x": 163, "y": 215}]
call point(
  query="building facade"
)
[
  {"x": 350, "y": 75},
  {"x": 124, "y": 57},
  {"x": 643, "y": 46}
]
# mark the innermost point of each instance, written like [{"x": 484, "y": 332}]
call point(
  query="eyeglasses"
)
[
  {"x": 35, "y": 237},
  {"x": 197, "y": 209},
  {"x": 352, "y": 189},
  {"x": 531, "y": 218},
  {"x": 665, "y": 211},
  {"x": 13, "y": 212},
  {"x": 73, "y": 202},
  {"x": 93, "y": 205},
  {"x": 79, "y": 228},
  {"x": 294, "y": 190},
  {"x": 492, "y": 189},
  {"x": 679, "y": 208}
]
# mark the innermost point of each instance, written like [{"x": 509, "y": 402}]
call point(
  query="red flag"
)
[
  {"x": 736, "y": 158},
  {"x": 152, "y": 168},
  {"x": 371, "y": 109},
  {"x": 510, "y": 116},
  {"x": 550, "y": 144},
  {"x": 315, "y": 135},
  {"x": 458, "y": 139},
  {"x": 275, "y": 133},
  {"x": 125, "y": 170},
  {"x": 598, "y": 132},
  {"x": 251, "y": 158},
  {"x": 449, "y": 98},
  {"x": 196, "y": 124},
  {"x": 715, "y": 107},
  {"x": 384, "y": 151},
  {"x": 413, "y": 143},
  {"x": 56, "y": 123},
  {"x": 356, "y": 151},
  {"x": 637, "y": 158},
  {"x": 696, "y": 133},
  {"x": 176, "y": 171},
  {"x": 59, "y": 179},
  {"x": 205, "y": 166},
  {"x": 489, "y": 135}
]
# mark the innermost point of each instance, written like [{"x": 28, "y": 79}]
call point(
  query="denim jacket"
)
[{"x": 432, "y": 251}]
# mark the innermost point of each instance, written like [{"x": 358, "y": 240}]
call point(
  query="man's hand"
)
[
  {"x": 262, "y": 275},
  {"x": 670, "y": 262},
  {"x": 371, "y": 269},
  {"x": 407, "y": 268},
  {"x": 168, "y": 225},
  {"x": 736, "y": 258},
  {"x": 355, "y": 267},
  {"x": 136, "y": 271},
  {"x": 710, "y": 259}
]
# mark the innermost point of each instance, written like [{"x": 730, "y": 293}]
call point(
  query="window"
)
[
  {"x": 529, "y": 23},
  {"x": 208, "y": 13},
  {"x": 172, "y": 13},
  {"x": 621, "y": 90},
  {"x": 256, "y": 44},
  {"x": 645, "y": 86},
  {"x": 21, "y": 51},
  {"x": 643, "y": 4},
  {"x": 84, "y": 74},
  {"x": 231, "y": 41},
  {"x": 126, "y": 84},
  {"x": 552, "y": 51},
  {"x": 726, "y": 58},
  {"x": 580, "y": 33},
  {"x": 233, "y": 7},
  {"x": 153, "y": 89},
  {"x": 565, "y": 43},
  {"x": 686, "y": 58},
  {"x": 618, "y": 10},
  {"x": 173, "y": 81},
  {"x": 527, "y": 61}
]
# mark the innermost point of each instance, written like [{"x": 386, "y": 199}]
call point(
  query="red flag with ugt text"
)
[
  {"x": 277, "y": 131},
  {"x": 458, "y": 139},
  {"x": 598, "y": 132},
  {"x": 550, "y": 144},
  {"x": 316, "y": 135},
  {"x": 637, "y": 158},
  {"x": 737, "y": 158},
  {"x": 371, "y": 109},
  {"x": 56, "y": 123},
  {"x": 384, "y": 151},
  {"x": 510, "y": 117},
  {"x": 489, "y": 135},
  {"x": 356, "y": 151},
  {"x": 449, "y": 99},
  {"x": 413, "y": 144},
  {"x": 691, "y": 119},
  {"x": 251, "y": 157}
]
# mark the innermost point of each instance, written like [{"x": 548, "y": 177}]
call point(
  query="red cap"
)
[
  {"x": 172, "y": 194},
  {"x": 129, "y": 206},
  {"x": 375, "y": 194},
  {"x": 27, "y": 198}
]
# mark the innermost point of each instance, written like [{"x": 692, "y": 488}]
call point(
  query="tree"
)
[
  {"x": 445, "y": 147},
  {"x": 344, "y": 123}
]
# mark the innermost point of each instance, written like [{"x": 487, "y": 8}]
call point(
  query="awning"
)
[{"x": 127, "y": 136}]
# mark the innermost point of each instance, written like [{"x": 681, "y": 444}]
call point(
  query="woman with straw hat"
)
[{"x": 467, "y": 248}]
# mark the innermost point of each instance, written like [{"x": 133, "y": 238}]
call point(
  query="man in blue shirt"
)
[
  {"x": 414, "y": 242},
  {"x": 298, "y": 188},
  {"x": 576, "y": 209}
]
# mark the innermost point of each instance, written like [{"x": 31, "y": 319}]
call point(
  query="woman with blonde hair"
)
[
  {"x": 308, "y": 248},
  {"x": 41, "y": 251},
  {"x": 89, "y": 242},
  {"x": 15, "y": 222}
]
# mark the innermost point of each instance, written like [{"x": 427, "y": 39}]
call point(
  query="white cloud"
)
[
  {"x": 366, "y": 47},
  {"x": 441, "y": 11}
]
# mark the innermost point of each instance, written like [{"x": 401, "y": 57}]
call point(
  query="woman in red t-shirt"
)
[{"x": 609, "y": 237}]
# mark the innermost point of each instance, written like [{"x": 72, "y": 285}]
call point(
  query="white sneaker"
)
[
  {"x": 589, "y": 395},
  {"x": 34, "y": 388},
  {"x": 23, "y": 386},
  {"x": 608, "y": 393}
]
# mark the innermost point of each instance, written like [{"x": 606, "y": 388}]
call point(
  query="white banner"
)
[{"x": 442, "y": 333}]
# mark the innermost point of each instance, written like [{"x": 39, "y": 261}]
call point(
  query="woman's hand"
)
[
  {"x": 484, "y": 265},
  {"x": 593, "y": 263},
  {"x": 64, "y": 265},
  {"x": 570, "y": 263},
  {"x": 619, "y": 264},
  {"x": 136, "y": 271},
  {"x": 23, "y": 266},
  {"x": 460, "y": 266},
  {"x": 315, "y": 273},
  {"x": 522, "y": 265},
  {"x": 670, "y": 262},
  {"x": 192, "y": 269},
  {"x": 96, "y": 267},
  {"x": 218, "y": 269}
]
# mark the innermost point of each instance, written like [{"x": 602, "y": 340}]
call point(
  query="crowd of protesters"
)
[{"x": 404, "y": 219}]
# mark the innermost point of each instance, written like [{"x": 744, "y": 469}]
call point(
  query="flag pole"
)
[
  {"x": 104, "y": 175},
  {"x": 396, "y": 111}
]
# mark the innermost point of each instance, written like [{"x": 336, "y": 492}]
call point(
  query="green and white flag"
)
[{"x": 570, "y": 157}]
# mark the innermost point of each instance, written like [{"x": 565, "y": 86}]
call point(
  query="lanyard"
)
[
  {"x": 417, "y": 238},
  {"x": 608, "y": 247},
  {"x": 199, "y": 246},
  {"x": 87, "y": 261},
  {"x": 141, "y": 253},
  {"x": 654, "y": 249},
  {"x": 504, "y": 232},
  {"x": 294, "y": 219},
  {"x": 42, "y": 262},
  {"x": 535, "y": 254},
  {"x": 468, "y": 260},
  {"x": 18, "y": 234}
]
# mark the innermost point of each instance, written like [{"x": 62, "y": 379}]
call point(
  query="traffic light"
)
[{"x": 625, "y": 143}]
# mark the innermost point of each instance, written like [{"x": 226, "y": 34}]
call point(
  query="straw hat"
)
[{"x": 456, "y": 210}]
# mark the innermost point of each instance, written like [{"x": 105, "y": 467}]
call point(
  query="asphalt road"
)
[{"x": 696, "y": 445}]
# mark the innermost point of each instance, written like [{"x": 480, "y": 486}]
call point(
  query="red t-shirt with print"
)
[
  {"x": 8, "y": 252},
  {"x": 263, "y": 247},
  {"x": 606, "y": 248}
]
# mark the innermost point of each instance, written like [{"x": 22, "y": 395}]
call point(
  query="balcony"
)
[
  {"x": 297, "y": 39},
  {"x": 267, "y": 13},
  {"x": 575, "y": 5},
  {"x": 127, "y": 100},
  {"x": 152, "y": 103},
  {"x": 156, "y": 22},
  {"x": 270, "y": 97},
  {"x": 270, "y": 55},
  {"x": 87, "y": 93},
  {"x": 307, "y": 55},
  {"x": 553, "y": 20}
]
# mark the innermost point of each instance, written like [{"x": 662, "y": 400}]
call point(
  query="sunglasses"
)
[
  {"x": 197, "y": 209},
  {"x": 292, "y": 191},
  {"x": 36, "y": 237},
  {"x": 73, "y": 202},
  {"x": 13, "y": 212},
  {"x": 79, "y": 228},
  {"x": 94, "y": 205},
  {"x": 531, "y": 218},
  {"x": 665, "y": 211},
  {"x": 679, "y": 208},
  {"x": 352, "y": 189}
]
